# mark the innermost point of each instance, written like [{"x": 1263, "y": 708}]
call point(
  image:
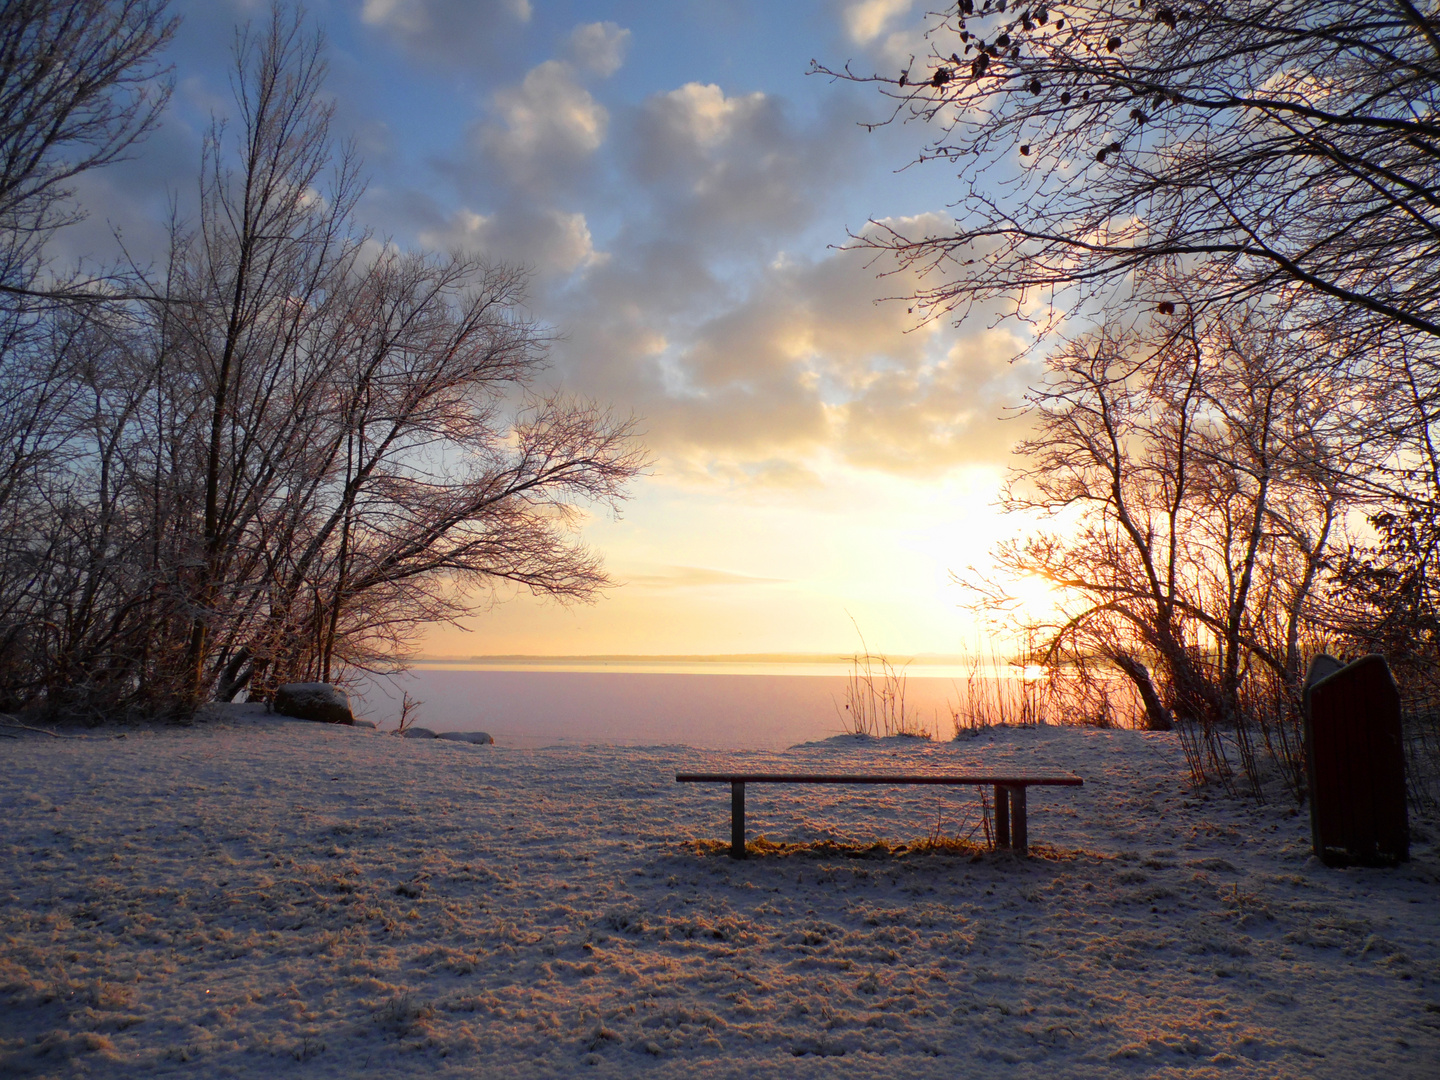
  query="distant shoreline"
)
[{"x": 541, "y": 660}]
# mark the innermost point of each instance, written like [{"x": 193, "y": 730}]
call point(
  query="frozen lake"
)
[{"x": 719, "y": 706}]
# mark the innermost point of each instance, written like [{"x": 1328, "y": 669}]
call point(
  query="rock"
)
[
  {"x": 477, "y": 738},
  {"x": 418, "y": 733},
  {"x": 370, "y": 724},
  {"x": 314, "y": 701}
]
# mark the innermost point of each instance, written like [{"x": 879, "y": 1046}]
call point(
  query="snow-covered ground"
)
[{"x": 264, "y": 898}]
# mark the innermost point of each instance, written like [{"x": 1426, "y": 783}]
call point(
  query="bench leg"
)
[
  {"x": 1020, "y": 834},
  {"x": 737, "y": 819},
  {"x": 1002, "y": 816}
]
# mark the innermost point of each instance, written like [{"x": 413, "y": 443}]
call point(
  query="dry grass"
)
[
  {"x": 1019, "y": 691},
  {"x": 993, "y": 699},
  {"x": 763, "y": 847},
  {"x": 875, "y": 700},
  {"x": 968, "y": 833}
]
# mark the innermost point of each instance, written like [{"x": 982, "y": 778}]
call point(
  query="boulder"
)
[
  {"x": 369, "y": 724},
  {"x": 418, "y": 733},
  {"x": 314, "y": 701},
  {"x": 477, "y": 738}
]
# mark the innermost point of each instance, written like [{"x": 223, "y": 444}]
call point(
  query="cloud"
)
[
  {"x": 732, "y": 167},
  {"x": 701, "y": 116},
  {"x": 813, "y": 360},
  {"x": 551, "y": 242},
  {"x": 748, "y": 365},
  {"x": 807, "y": 361},
  {"x": 943, "y": 413},
  {"x": 886, "y": 30},
  {"x": 452, "y": 31},
  {"x": 542, "y": 129},
  {"x": 599, "y": 47},
  {"x": 658, "y": 235},
  {"x": 866, "y": 20}
]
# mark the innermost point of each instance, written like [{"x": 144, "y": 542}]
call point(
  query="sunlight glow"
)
[
  {"x": 1035, "y": 597},
  {"x": 767, "y": 571}
]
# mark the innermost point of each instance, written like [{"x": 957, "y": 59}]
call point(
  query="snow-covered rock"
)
[
  {"x": 418, "y": 733},
  {"x": 476, "y": 738},
  {"x": 314, "y": 701},
  {"x": 367, "y": 724}
]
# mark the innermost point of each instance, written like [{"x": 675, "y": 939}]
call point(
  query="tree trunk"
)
[{"x": 1157, "y": 717}]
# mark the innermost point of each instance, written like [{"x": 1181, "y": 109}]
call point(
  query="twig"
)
[
  {"x": 9, "y": 722},
  {"x": 41, "y": 730}
]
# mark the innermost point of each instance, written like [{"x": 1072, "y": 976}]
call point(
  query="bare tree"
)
[
  {"x": 292, "y": 453},
  {"x": 246, "y": 287},
  {"x": 360, "y": 472},
  {"x": 1203, "y": 468},
  {"x": 1120, "y": 159},
  {"x": 80, "y": 84},
  {"x": 417, "y": 485},
  {"x": 1260, "y": 145}
]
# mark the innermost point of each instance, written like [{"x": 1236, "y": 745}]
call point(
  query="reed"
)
[
  {"x": 964, "y": 828},
  {"x": 874, "y": 700},
  {"x": 874, "y": 696},
  {"x": 1020, "y": 689}
]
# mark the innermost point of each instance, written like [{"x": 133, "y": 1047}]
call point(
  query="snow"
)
[
  {"x": 534, "y": 708},
  {"x": 256, "y": 897}
]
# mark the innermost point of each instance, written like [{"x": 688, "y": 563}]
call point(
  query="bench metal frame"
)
[{"x": 1011, "y": 825}]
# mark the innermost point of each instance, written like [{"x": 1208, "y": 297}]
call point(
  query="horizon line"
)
[{"x": 744, "y": 658}]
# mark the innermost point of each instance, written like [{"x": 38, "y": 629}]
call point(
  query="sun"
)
[{"x": 1035, "y": 597}]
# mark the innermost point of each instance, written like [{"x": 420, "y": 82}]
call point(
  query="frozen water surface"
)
[
  {"x": 261, "y": 898},
  {"x": 750, "y": 708}
]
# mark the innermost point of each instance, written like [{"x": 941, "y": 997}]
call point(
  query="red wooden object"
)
[{"x": 1355, "y": 758}]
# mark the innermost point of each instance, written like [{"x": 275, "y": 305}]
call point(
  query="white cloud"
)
[
  {"x": 887, "y": 30},
  {"x": 744, "y": 365},
  {"x": 404, "y": 15},
  {"x": 703, "y": 115},
  {"x": 866, "y": 20},
  {"x": 548, "y": 122},
  {"x": 423, "y": 16},
  {"x": 454, "y": 31},
  {"x": 599, "y": 47},
  {"x": 466, "y": 229},
  {"x": 731, "y": 170},
  {"x": 571, "y": 246},
  {"x": 551, "y": 242},
  {"x": 807, "y": 361}
]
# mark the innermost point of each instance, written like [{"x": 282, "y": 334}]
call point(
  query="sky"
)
[{"x": 681, "y": 191}]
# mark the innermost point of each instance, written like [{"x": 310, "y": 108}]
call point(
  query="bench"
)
[{"x": 1011, "y": 827}]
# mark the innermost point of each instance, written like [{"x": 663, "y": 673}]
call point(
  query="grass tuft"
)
[{"x": 875, "y": 699}]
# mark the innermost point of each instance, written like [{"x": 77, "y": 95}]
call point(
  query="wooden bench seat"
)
[{"x": 1011, "y": 826}]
